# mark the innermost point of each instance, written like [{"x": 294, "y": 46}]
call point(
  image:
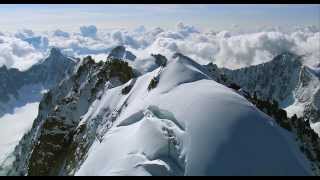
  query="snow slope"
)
[
  {"x": 187, "y": 125},
  {"x": 284, "y": 79}
]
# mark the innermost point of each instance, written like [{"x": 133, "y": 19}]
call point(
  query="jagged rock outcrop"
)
[
  {"x": 131, "y": 129},
  {"x": 308, "y": 94},
  {"x": 52, "y": 145},
  {"x": 284, "y": 79},
  {"x": 120, "y": 52},
  {"x": 274, "y": 80},
  {"x": 186, "y": 124},
  {"x": 46, "y": 74}
]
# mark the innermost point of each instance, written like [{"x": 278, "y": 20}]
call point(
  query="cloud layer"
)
[
  {"x": 15, "y": 53},
  {"x": 231, "y": 49}
]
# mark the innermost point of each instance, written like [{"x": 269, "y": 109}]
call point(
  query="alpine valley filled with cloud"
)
[{"x": 160, "y": 101}]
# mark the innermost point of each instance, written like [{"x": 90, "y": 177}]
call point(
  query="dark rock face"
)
[
  {"x": 7, "y": 85},
  {"x": 160, "y": 60},
  {"x": 57, "y": 143},
  {"x": 120, "y": 52}
]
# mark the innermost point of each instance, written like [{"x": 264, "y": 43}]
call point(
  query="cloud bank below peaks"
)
[
  {"x": 232, "y": 49},
  {"x": 15, "y": 53}
]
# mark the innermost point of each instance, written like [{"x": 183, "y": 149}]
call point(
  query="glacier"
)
[
  {"x": 173, "y": 118},
  {"x": 187, "y": 125}
]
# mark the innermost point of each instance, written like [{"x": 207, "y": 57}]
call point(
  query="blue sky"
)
[{"x": 71, "y": 17}]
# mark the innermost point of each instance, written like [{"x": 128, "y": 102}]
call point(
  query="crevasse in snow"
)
[{"x": 187, "y": 125}]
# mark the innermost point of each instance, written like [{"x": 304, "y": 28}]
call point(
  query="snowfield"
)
[
  {"x": 13, "y": 127},
  {"x": 316, "y": 127},
  {"x": 187, "y": 125}
]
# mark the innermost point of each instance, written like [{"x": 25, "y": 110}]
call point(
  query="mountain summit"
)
[
  {"x": 175, "y": 120},
  {"x": 286, "y": 80},
  {"x": 44, "y": 75}
]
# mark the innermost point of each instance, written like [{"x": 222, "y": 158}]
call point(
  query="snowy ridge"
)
[
  {"x": 165, "y": 130},
  {"x": 49, "y": 148},
  {"x": 284, "y": 79},
  {"x": 44, "y": 75},
  {"x": 175, "y": 120},
  {"x": 274, "y": 80},
  {"x": 21, "y": 93}
]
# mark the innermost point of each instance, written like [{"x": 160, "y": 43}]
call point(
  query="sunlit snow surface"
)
[
  {"x": 13, "y": 127},
  {"x": 316, "y": 127},
  {"x": 212, "y": 131}
]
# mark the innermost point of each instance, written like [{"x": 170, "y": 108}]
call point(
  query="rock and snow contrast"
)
[
  {"x": 128, "y": 93},
  {"x": 12, "y": 129},
  {"x": 20, "y": 87},
  {"x": 21, "y": 93},
  {"x": 285, "y": 79},
  {"x": 120, "y": 52},
  {"x": 187, "y": 125},
  {"x": 177, "y": 119},
  {"x": 160, "y": 115}
]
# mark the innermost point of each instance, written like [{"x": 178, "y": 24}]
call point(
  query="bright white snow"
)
[
  {"x": 188, "y": 125},
  {"x": 316, "y": 127}
]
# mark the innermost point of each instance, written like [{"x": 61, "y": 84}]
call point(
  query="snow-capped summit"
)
[
  {"x": 274, "y": 80},
  {"x": 187, "y": 124},
  {"x": 284, "y": 79},
  {"x": 307, "y": 95},
  {"x": 175, "y": 120}
]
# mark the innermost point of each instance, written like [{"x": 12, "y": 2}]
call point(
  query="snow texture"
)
[{"x": 187, "y": 125}]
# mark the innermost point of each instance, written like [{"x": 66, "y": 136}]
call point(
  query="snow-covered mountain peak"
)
[
  {"x": 186, "y": 124},
  {"x": 55, "y": 57},
  {"x": 190, "y": 63},
  {"x": 45, "y": 74},
  {"x": 285, "y": 79},
  {"x": 175, "y": 120},
  {"x": 274, "y": 80}
]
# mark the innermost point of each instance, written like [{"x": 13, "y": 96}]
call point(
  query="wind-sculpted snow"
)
[
  {"x": 173, "y": 119},
  {"x": 187, "y": 125}
]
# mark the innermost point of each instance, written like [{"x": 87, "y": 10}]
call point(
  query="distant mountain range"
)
[
  {"x": 179, "y": 118},
  {"x": 18, "y": 88}
]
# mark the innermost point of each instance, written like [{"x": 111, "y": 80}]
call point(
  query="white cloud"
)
[
  {"x": 16, "y": 53},
  {"x": 24, "y": 33},
  {"x": 186, "y": 29},
  {"x": 232, "y": 49}
]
